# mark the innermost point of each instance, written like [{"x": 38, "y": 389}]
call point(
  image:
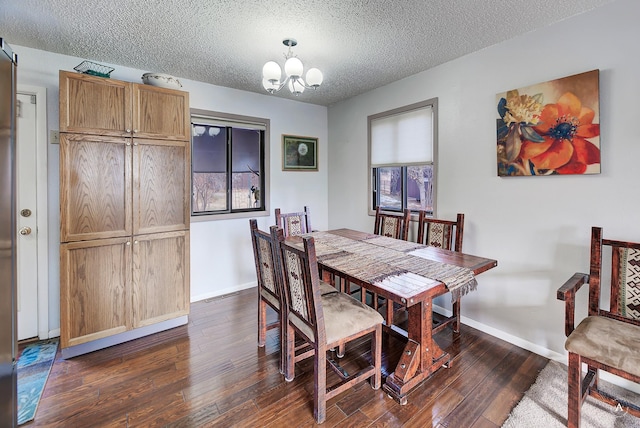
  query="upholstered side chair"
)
[
  {"x": 324, "y": 322},
  {"x": 392, "y": 225},
  {"x": 608, "y": 338},
  {"x": 299, "y": 223},
  {"x": 269, "y": 286},
  {"x": 294, "y": 223},
  {"x": 445, "y": 234}
]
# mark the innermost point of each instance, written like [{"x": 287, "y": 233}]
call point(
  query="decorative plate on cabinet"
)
[{"x": 161, "y": 80}]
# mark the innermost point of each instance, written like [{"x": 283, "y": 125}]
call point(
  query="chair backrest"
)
[
  {"x": 446, "y": 234},
  {"x": 625, "y": 277},
  {"x": 293, "y": 224},
  {"x": 300, "y": 283},
  {"x": 391, "y": 224},
  {"x": 265, "y": 261}
]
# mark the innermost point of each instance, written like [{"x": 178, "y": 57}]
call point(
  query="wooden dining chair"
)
[
  {"x": 323, "y": 322},
  {"x": 392, "y": 225},
  {"x": 294, "y": 223},
  {"x": 445, "y": 234},
  {"x": 299, "y": 223},
  {"x": 607, "y": 339},
  {"x": 269, "y": 286}
]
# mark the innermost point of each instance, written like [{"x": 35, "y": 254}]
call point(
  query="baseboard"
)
[
  {"x": 223, "y": 291},
  {"x": 536, "y": 349}
]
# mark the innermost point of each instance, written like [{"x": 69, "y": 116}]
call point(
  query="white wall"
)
[
  {"x": 538, "y": 228},
  {"x": 221, "y": 254}
]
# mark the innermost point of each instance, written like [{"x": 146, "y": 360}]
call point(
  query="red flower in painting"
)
[{"x": 565, "y": 127}]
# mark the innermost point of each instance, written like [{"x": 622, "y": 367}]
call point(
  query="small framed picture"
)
[{"x": 299, "y": 153}]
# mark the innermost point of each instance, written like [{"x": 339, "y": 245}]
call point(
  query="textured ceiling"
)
[{"x": 357, "y": 44}]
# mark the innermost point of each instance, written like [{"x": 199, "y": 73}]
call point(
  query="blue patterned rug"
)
[{"x": 34, "y": 365}]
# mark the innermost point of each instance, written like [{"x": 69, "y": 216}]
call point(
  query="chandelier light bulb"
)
[
  {"x": 296, "y": 86},
  {"x": 314, "y": 78},
  {"x": 270, "y": 85},
  {"x": 293, "y": 67},
  {"x": 271, "y": 71}
]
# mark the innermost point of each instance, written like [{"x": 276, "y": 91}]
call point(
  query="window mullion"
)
[{"x": 229, "y": 170}]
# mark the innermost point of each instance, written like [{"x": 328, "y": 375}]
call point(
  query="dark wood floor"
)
[{"x": 211, "y": 373}]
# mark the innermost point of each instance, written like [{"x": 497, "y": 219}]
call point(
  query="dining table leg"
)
[{"x": 421, "y": 356}]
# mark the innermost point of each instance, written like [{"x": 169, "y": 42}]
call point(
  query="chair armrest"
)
[
  {"x": 573, "y": 284},
  {"x": 567, "y": 293}
]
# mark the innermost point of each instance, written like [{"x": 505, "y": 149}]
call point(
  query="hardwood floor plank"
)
[
  {"x": 508, "y": 397},
  {"x": 211, "y": 373},
  {"x": 481, "y": 395},
  {"x": 432, "y": 412}
]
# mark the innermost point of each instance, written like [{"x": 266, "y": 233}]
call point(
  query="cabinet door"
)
[
  {"x": 95, "y": 187},
  {"x": 161, "y": 181},
  {"x": 160, "y": 113},
  {"x": 94, "y": 105},
  {"x": 95, "y": 277},
  {"x": 160, "y": 277}
]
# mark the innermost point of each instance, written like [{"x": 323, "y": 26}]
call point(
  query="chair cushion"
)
[
  {"x": 608, "y": 341},
  {"x": 326, "y": 288},
  {"x": 343, "y": 317}
]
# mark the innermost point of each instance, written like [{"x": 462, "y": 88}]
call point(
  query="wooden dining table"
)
[{"x": 406, "y": 273}]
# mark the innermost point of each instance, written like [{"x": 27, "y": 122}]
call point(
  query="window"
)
[
  {"x": 227, "y": 163},
  {"x": 402, "y": 153}
]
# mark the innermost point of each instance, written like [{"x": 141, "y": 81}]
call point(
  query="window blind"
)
[{"x": 403, "y": 138}]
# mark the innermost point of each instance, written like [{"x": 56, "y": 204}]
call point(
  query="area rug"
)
[
  {"x": 34, "y": 365},
  {"x": 545, "y": 404}
]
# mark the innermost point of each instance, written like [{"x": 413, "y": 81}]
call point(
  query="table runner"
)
[{"x": 392, "y": 257}]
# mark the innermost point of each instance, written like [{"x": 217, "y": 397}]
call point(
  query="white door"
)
[{"x": 29, "y": 243}]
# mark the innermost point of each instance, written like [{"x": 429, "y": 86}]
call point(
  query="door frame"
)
[{"x": 42, "y": 205}]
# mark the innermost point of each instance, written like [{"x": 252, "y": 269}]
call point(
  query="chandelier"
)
[{"x": 271, "y": 74}]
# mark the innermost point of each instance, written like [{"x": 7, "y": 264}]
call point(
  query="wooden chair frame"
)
[
  {"x": 453, "y": 231},
  {"x": 580, "y": 387},
  {"x": 392, "y": 225},
  {"x": 314, "y": 321},
  {"x": 400, "y": 224},
  {"x": 269, "y": 286},
  {"x": 294, "y": 223}
]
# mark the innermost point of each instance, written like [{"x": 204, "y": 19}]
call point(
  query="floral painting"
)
[{"x": 550, "y": 128}]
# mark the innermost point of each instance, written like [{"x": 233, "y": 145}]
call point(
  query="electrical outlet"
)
[{"x": 54, "y": 137}]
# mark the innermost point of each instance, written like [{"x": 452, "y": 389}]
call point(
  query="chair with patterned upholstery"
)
[
  {"x": 294, "y": 223},
  {"x": 393, "y": 225},
  {"x": 299, "y": 223},
  {"x": 607, "y": 339},
  {"x": 269, "y": 291},
  {"x": 445, "y": 234},
  {"x": 323, "y": 322}
]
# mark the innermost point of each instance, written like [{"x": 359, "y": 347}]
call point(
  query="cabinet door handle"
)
[
  {"x": 135, "y": 242},
  {"x": 128, "y": 143},
  {"x": 135, "y": 131},
  {"x": 128, "y": 131},
  {"x": 128, "y": 242}
]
